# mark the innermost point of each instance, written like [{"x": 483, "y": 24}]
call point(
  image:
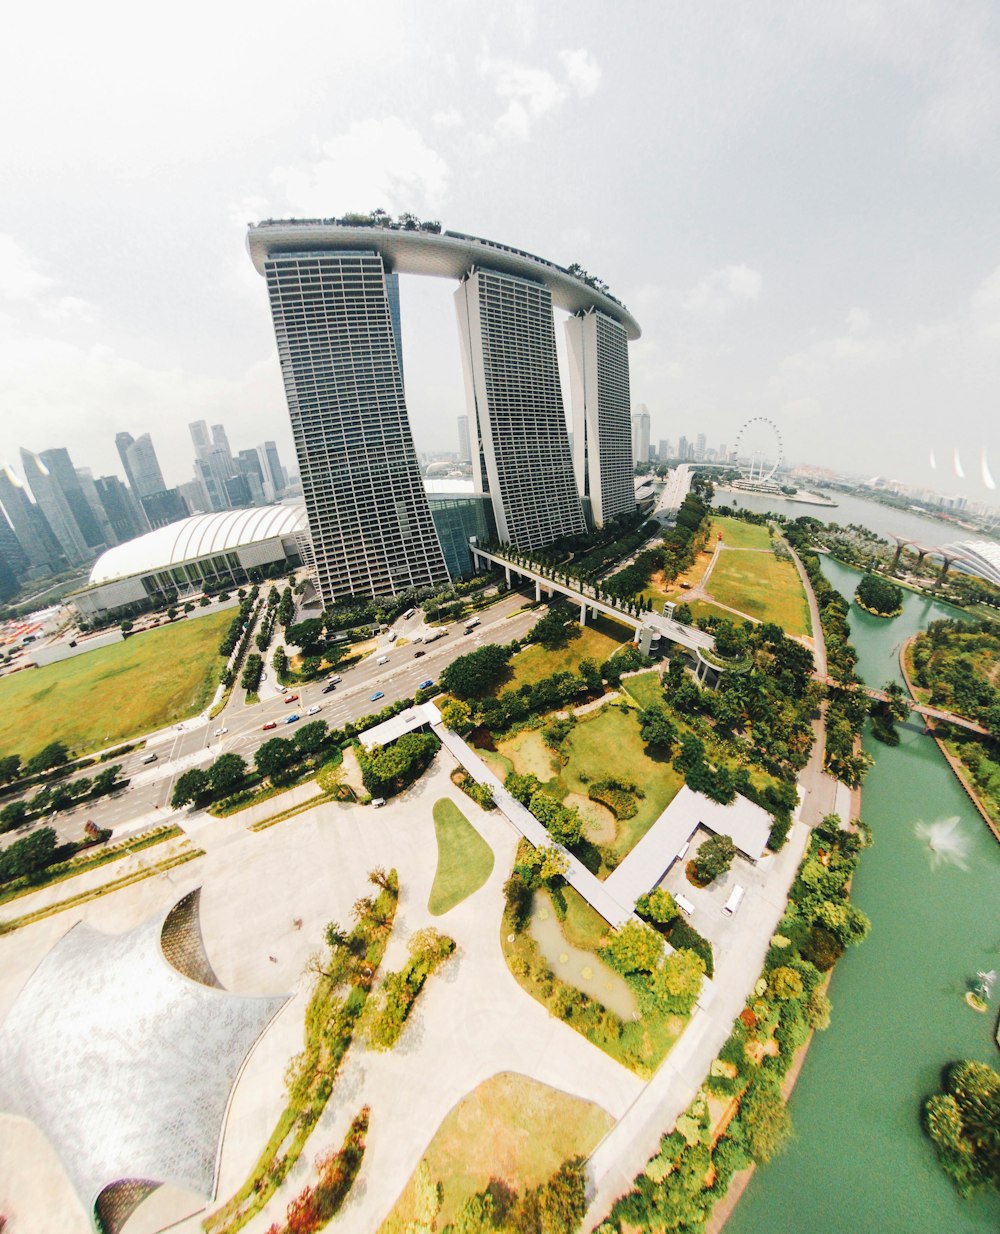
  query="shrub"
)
[{"x": 619, "y": 796}]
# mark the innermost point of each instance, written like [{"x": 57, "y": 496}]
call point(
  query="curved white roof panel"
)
[
  {"x": 446, "y": 255},
  {"x": 980, "y": 557},
  {"x": 202, "y": 535}
]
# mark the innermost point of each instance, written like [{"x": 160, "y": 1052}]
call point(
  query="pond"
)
[{"x": 578, "y": 968}]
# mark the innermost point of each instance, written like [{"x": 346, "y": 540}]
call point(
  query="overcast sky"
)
[{"x": 799, "y": 203}]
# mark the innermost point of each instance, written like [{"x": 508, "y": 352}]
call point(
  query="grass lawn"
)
[
  {"x": 114, "y": 693},
  {"x": 605, "y": 743},
  {"x": 763, "y": 587},
  {"x": 465, "y": 860},
  {"x": 645, "y": 688},
  {"x": 737, "y": 534},
  {"x": 512, "y": 1128},
  {"x": 702, "y": 608},
  {"x": 598, "y": 639}
]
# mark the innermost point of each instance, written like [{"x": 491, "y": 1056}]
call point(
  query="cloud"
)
[
  {"x": 450, "y": 118},
  {"x": 582, "y": 71},
  {"x": 986, "y": 306},
  {"x": 723, "y": 290},
  {"x": 859, "y": 321},
  {"x": 533, "y": 93},
  {"x": 22, "y": 282},
  {"x": 377, "y": 163}
]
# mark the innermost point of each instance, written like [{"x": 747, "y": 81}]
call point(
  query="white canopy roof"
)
[{"x": 202, "y": 535}]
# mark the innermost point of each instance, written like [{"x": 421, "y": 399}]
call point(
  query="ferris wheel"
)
[{"x": 759, "y": 452}]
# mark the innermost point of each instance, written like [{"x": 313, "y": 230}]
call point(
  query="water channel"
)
[{"x": 860, "y": 1161}]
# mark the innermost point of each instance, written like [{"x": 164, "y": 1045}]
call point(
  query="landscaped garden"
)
[
  {"x": 513, "y": 1131},
  {"x": 762, "y": 586},
  {"x": 595, "y": 641},
  {"x": 465, "y": 860},
  {"x": 109, "y": 694}
]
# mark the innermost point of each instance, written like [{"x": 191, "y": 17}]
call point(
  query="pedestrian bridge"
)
[{"x": 649, "y": 627}]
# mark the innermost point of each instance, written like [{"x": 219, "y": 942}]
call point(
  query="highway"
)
[{"x": 145, "y": 802}]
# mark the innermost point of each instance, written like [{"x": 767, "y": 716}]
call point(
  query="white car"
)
[
  {"x": 220, "y": 732},
  {"x": 314, "y": 710}
]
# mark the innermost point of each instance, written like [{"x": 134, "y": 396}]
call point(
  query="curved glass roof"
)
[
  {"x": 202, "y": 535},
  {"x": 980, "y": 557}
]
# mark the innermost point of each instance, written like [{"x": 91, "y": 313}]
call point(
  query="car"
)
[
  {"x": 269, "y": 725},
  {"x": 220, "y": 732},
  {"x": 426, "y": 685},
  {"x": 327, "y": 689},
  {"x": 392, "y": 636},
  {"x": 282, "y": 689},
  {"x": 334, "y": 679},
  {"x": 291, "y": 698},
  {"x": 150, "y": 758},
  {"x": 292, "y": 718},
  {"x": 418, "y": 654},
  {"x": 314, "y": 709},
  {"x": 376, "y": 696}
]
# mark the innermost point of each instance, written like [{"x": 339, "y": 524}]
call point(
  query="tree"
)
[
  {"x": 189, "y": 787},
  {"x": 657, "y": 905},
  {"x": 563, "y": 823},
  {"x": 554, "y": 630},
  {"x": 964, "y": 1123},
  {"x": 28, "y": 855},
  {"x": 226, "y": 775},
  {"x": 673, "y": 986},
  {"x": 658, "y": 730},
  {"x": 714, "y": 858},
  {"x": 522, "y": 787},
  {"x": 106, "y": 781},
  {"x": 845, "y": 921},
  {"x": 13, "y": 815},
  {"x": 478, "y": 673},
  {"x": 10, "y": 768},
  {"x": 634, "y": 948},
  {"x": 785, "y": 983},
  {"x": 310, "y": 737},
  {"x": 274, "y": 757},
  {"x": 55, "y": 754},
  {"x": 765, "y": 1125},
  {"x": 548, "y": 863},
  {"x": 456, "y": 715}
]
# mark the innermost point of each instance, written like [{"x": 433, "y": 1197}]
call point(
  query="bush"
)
[{"x": 618, "y": 795}]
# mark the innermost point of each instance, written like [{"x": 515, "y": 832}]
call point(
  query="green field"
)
[
  {"x": 598, "y": 639},
  {"x": 737, "y": 534},
  {"x": 605, "y": 744},
  {"x": 761, "y": 586},
  {"x": 645, "y": 688},
  {"x": 465, "y": 860},
  {"x": 511, "y": 1128},
  {"x": 114, "y": 693}
]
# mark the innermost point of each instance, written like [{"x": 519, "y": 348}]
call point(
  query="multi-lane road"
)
[{"x": 146, "y": 801}]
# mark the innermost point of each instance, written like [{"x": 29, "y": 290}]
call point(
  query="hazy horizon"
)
[{"x": 797, "y": 204}]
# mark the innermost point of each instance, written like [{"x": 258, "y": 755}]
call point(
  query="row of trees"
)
[
  {"x": 51, "y": 757},
  {"x": 51, "y": 798}
]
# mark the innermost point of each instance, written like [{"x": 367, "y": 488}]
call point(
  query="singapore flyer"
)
[{"x": 759, "y": 453}]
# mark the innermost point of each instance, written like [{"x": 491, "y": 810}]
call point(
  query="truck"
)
[{"x": 432, "y": 635}]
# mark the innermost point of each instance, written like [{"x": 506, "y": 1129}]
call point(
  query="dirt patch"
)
[
  {"x": 530, "y": 755},
  {"x": 757, "y": 1051},
  {"x": 599, "y": 825},
  {"x": 351, "y": 772}
]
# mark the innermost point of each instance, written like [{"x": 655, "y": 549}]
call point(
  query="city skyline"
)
[{"x": 827, "y": 305}]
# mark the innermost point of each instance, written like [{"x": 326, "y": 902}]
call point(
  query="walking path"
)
[{"x": 624, "y": 1151}]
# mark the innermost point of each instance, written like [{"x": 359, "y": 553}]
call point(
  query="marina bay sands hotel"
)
[{"x": 334, "y": 294}]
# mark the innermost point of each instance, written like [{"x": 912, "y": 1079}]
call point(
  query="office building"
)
[
  {"x": 63, "y": 473},
  {"x": 699, "y": 448},
  {"x": 125, "y": 519},
  {"x": 372, "y": 532},
  {"x": 682, "y": 449},
  {"x": 194, "y": 496},
  {"x": 464, "y": 446},
  {"x": 88, "y": 486},
  {"x": 52, "y": 502},
  {"x": 200, "y": 436},
  {"x": 520, "y": 451},
  {"x": 663, "y": 450},
  {"x": 599, "y": 381},
  {"x": 142, "y": 468},
  {"x": 640, "y": 435},
  {"x": 10, "y": 548},
  {"x": 273, "y": 471},
  {"x": 30, "y": 525},
  {"x": 164, "y": 508}
]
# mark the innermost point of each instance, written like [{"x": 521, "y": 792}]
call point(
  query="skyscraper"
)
[
  {"x": 52, "y": 502},
  {"x": 30, "y": 525},
  {"x": 699, "y": 448},
  {"x": 602, "y": 458},
  {"x": 88, "y": 487},
  {"x": 142, "y": 468},
  {"x": 274, "y": 473},
  {"x": 640, "y": 435},
  {"x": 63, "y": 472},
  {"x": 663, "y": 450},
  {"x": 682, "y": 449},
  {"x": 200, "y": 436},
  {"x": 464, "y": 447},
  {"x": 520, "y": 451},
  {"x": 127, "y": 521},
  {"x": 371, "y": 527},
  {"x": 10, "y": 548}
]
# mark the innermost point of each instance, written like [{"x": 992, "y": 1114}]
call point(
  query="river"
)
[
  {"x": 883, "y": 520},
  {"x": 860, "y": 1161}
]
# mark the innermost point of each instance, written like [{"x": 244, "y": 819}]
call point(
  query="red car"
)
[
  {"x": 291, "y": 698},
  {"x": 270, "y": 724}
]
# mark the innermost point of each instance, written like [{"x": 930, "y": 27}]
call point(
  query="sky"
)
[{"x": 799, "y": 204}]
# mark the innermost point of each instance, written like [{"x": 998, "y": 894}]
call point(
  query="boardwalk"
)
[{"x": 931, "y": 713}]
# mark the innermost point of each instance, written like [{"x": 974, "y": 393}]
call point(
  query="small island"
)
[{"x": 878, "y": 596}]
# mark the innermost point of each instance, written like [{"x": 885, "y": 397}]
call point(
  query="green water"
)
[{"x": 860, "y": 1161}]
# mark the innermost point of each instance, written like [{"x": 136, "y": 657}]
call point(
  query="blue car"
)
[
  {"x": 426, "y": 685},
  {"x": 292, "y": 718},
  {"x": 377, "y": 695}
]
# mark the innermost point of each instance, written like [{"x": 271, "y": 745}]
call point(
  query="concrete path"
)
[
  {"x": 624, "y": 1151},
  {"x": 819, "y": 643}
]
